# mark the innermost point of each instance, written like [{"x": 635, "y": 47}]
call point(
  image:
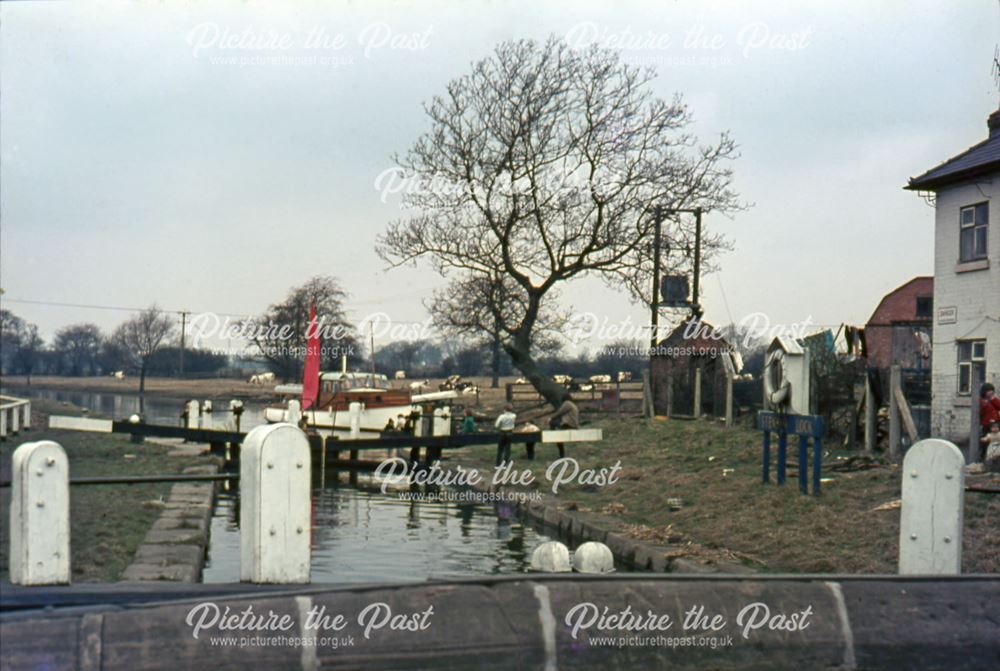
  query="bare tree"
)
[
  {"x": 477, "y": 306},
  {"x": 20, "y": 344},
  {"x": 139, "y": 338},
  {"x": 281, "y": 338},
  {"x": 545, "y": 164},
  {"x": 79, "y": 345}
]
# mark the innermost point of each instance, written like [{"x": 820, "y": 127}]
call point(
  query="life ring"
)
[{"x": 776, "y": 386}]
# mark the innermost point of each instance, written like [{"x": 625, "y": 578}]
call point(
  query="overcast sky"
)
[{"x": 208, "y": 156}]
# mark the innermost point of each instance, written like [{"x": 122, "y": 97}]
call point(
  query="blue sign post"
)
[{"x": 803, "y": 426}]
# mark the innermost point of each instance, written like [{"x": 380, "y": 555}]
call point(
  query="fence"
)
[
  {"x": 615, "y": 397},
  {"x": 15, "y": 414}
]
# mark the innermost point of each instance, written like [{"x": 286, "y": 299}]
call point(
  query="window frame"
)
[
  {"x": 966, "y": 364},
  {"x": 971, "y": 229}
]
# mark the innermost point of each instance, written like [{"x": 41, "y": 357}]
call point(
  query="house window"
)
[
  {"x": 971, "y": 357},
  {"x": 925, "y": 307},
  {"x": 973, "y": 224}
]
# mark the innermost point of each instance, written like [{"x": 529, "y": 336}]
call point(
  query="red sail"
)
[{"x": 310, "y": 376}]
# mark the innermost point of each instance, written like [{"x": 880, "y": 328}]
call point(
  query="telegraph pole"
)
[
  {"x": 184, "y": 315},
  {"x": 655, "y": 304}
]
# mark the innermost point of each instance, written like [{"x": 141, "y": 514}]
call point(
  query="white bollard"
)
[
  {"x": 26, "y": 420},
  {"x": 39, "y": 515},
  {"x": 15, "y": 415},
  {"x": 442, "y": 422},
  {"x": 294, "y": 414},
  {"x": 354, "y": 412},
  {"x": 275, "y": 497},
  {"x": 3, "y": 422},
  {"x": 192, "y": 414},
  {"x": 930, "y": 519}
]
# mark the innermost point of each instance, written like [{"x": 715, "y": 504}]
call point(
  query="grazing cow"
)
[
  {"x": 585, "y": 387},
  {"x": 118, "y": 375},
  {"x": 451, "y": 382},
  {"x": 419, "y": 386},
  {"x": 254, "y": 379},
  {"x": 470, "y": 389},
  {"x": 600, "y": 379},
  {"x": 400, "y": 375},
  {"x": 206, "y": 407},
  {"x": 520, "y": 380},
  {"x": 562, "y": 379},
  {"x": 266, "y": 377},
  {"x": 624, "y": 376}
]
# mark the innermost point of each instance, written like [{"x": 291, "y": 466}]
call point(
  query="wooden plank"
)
[
  {"x": 894, "y": 432},
  {"x": 80, "y": 424},
  {"x": 572, "y": 435},
  {"x": 904, "y": 412}
]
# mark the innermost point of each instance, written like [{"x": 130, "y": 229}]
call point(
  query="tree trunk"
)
[
  {"x": 142, "y": 388},
  {"x": 553, "y": 393},
  {"x": 495, "y": 362}
]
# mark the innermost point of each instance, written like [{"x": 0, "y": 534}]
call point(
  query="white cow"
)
[
  {"x": 520, "y": 380},
  {"x": 266, "y": 377},
  {"x": 624, "y": 376},
  {"x": 118, "y": 375},
  {"x": 471, "y": 389},
  {"x": 600, "y": 379},
  {"x": 562, "y": 379},
  {"x": 419, "y": 386},
  {"x": 400, "y": 375}
]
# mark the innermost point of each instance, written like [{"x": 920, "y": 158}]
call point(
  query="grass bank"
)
[
  {"x": 107, "y": 522},
  {"x": 726, "y": 512}
]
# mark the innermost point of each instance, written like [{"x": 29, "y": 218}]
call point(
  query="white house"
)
[{"x": 966, "y": 330}]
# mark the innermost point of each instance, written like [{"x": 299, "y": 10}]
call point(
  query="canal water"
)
[
  {"x": 363, "y": 535},
  {"x": 359, "y": 533}
]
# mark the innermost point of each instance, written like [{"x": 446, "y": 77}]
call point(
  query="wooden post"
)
[
  {"x": 729, "y": 401},
  {"x": 192, "y": 414},
  {"x": 782, "y": 457},
  {"x": 670, "y": 394},
  {"x": 973, "y": 451},
  {"x": 275, "y": 505},
  {"x": 766, "y": 465},
  {"x": 895, "y": 379},
  {"x": 618, "y": 397},
  {"x": 697, "y": 392},
  {"x": 294, "y": 412},
  {"x": 804, "y": 464},
  {"x": 930, "y": 520},
  {"x": 39, "y": 515},
  {"x": 3, "y": 422},
  {"x": 26, "y": 420},
  {"x": 871, "y": 418},
  {"x": 647, "y": 397},
  {"x": 14, "y": 423}
]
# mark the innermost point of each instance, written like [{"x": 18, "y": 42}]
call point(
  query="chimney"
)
[{"x": 993, "y": 122}]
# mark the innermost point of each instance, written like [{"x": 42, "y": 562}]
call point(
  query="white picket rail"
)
[{"x": 15, "y": 414}]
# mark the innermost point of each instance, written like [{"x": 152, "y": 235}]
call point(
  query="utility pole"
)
[
  {"x": 655, "y": 304},
  {"x": 697, "y": 261},
  {"x": 184, "y": 315}
]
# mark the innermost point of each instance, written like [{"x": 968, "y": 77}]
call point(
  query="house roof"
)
[
  {"x": 925, "y": 283},
  {"x": 976, "y": 160}
]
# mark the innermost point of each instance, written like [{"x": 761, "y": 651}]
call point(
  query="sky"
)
[{"x": 209, "y": 156}]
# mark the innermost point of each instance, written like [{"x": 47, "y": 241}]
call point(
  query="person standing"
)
[
  {"x": 468, "y": 422},
  {"x": 505, "y": 425},
  {"x": 989, "y": 408},
  {"x": 567, "y": 416}
]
